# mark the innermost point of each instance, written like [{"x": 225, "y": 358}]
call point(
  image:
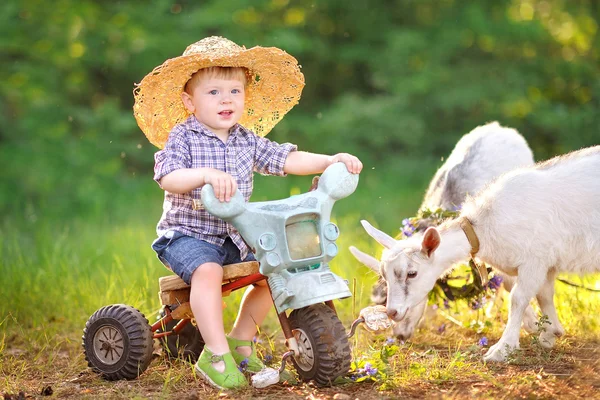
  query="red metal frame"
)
[{"x": 231, "y": 286}]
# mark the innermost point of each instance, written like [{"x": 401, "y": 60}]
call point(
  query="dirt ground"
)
[{"x": 572, "y": 371}]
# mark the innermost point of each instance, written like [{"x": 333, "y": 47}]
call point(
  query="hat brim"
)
[{"x": 274, "y": 89}]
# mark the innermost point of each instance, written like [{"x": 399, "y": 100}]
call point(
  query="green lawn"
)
[{"x": 56, "y": 273}]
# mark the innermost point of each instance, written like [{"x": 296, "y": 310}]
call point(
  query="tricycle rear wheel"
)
[
  {"x": 324, "y": 348},
  {"x": 187, "y": 344},
  {"x": 117, "y": 342}
]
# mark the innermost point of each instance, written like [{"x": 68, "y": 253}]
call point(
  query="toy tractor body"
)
[{"x": 293, "y": 239}]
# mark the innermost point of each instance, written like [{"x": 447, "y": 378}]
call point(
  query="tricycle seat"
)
[{"x": 173, "y": 290}]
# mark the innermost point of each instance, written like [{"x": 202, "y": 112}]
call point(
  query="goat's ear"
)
[
  {"x": 366, "y": 259},
  {"x": 431, "y": 241},
  {"x": 382, "y": 238}
]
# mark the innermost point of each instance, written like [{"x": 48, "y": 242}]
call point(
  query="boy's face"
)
[{"x": 217, "y": 103}]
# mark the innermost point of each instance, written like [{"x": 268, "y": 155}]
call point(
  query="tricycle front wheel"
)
[
  {"x": 323, "y": 343},
  {"x": 117, "y": 342}
]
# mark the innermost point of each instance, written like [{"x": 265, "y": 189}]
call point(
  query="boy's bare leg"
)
[
  {"x": 207, "y": 305},
  {"x": 254, "y": 307}
]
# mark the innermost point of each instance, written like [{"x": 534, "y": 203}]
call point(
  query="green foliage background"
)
[{"x": 396, "y": 82}]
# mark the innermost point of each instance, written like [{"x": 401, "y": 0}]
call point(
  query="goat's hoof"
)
[
  {"x": 547, "y": 340},
  {"x": 494, "y": 354},
  {"x": 499, "y": 352},
  {"x": 530, "y": 320},
  {"x": 530, "y": 325}
]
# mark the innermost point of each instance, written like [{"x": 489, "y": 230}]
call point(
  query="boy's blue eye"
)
[
  {"x": 214, "y": 91},
  {"x": 236, "y": 91}
]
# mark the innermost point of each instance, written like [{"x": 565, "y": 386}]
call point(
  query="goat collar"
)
[
  {"x": 467, "y": 228},
  {"x": 479, "y": 269}
]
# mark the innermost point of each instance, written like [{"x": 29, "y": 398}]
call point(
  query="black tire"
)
[
  {"x": 117, "y": 342},
  {"x": 187, "y": 345},
  {"x": 325, "y": 351}
]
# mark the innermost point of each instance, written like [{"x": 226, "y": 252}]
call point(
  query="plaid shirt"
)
[{"x": 192, "y": 145}]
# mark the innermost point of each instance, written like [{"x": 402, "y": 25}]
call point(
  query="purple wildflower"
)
[
  {"x": 483, "y": 341},
  {"x": 407, "y": 227},
  {"x": 369, "y": 370},
  {"x": 268, "y": 358},
  {"x": 495, "y": 282},
  {"x": 476, "y": 304},
  {"x": 390, "y": 341},
  {"x": 442, "y": 328},
  {"x": 446, "y": 304},
  {"x": 243, "y": 365}
]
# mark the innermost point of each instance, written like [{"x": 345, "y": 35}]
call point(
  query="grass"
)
[{"x": 56, "y": 273}]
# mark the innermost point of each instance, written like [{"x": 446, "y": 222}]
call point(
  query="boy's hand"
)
[
  {"x": 224, "y": 185},
  {"x": 352, "y": 162}
]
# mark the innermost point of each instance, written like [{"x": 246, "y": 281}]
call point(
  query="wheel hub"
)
[
  {"x": 108, "y": 344},
  {"x": 306, "y": 359}
]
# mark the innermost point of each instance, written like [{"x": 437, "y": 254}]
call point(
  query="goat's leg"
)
[
  {"x": 529, "y": 318},
  {"x": 528, "y": 285},
  {"x": 545, "y": 299}
]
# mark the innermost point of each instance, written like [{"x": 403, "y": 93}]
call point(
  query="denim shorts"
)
[{"x": 182, "y": 254}]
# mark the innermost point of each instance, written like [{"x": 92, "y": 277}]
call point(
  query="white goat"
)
[
  {"x": 478, "y": 157},
  {"x": 532, "y": 222}
]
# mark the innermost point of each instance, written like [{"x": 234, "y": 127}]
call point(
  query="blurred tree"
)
[{"x": 395, "y": 81}]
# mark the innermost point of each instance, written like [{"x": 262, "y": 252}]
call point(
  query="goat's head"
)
[{"x": 408, "y": 266}]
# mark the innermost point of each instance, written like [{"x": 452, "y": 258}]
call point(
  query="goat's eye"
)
[{"x": 411, "y": 274}]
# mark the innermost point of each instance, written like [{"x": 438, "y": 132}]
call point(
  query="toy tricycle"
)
[{"x": 293, "y": 240}]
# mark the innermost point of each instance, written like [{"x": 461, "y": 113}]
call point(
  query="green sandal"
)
[
  {"x": 254, "y": 363},
  {"x": 231, "y": 378}
]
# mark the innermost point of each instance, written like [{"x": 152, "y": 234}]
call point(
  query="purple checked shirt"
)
[{"x": 192, "y": 145}]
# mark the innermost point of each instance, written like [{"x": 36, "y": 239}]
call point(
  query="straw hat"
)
[{"x": 273, "y": 89}]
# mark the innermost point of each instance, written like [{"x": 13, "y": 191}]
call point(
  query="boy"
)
[{"x": 200, "y": 106}]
